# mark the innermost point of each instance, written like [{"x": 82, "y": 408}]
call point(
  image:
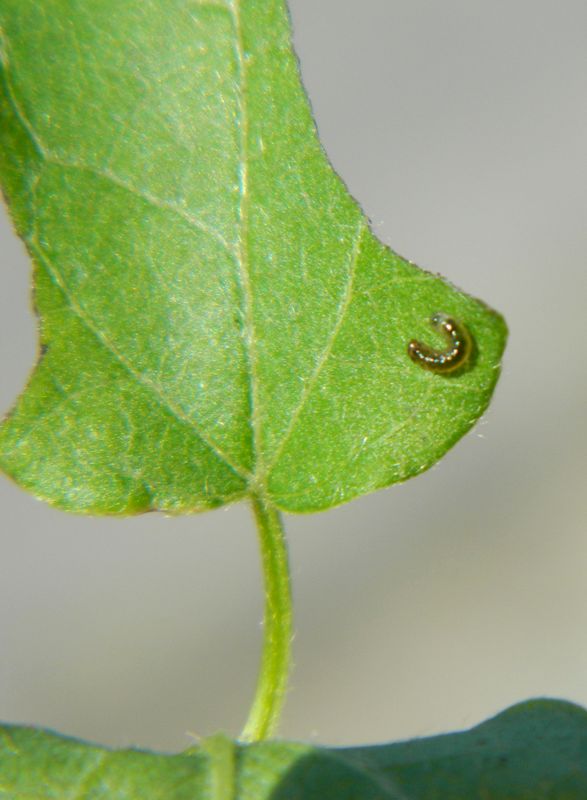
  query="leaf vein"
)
[
  {"x": 143, "y": 194},
  {"x": 91, "y": 775},
  {"x": 248, "y": 331},
  {"x": 15, "y": 105},
  {"x": 326, "y": 352},
  {"x": 140, "y": 378},
  {"x": 106, "y": 174}
]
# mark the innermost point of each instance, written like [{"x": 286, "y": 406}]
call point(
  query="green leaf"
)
[
  {"x": 216, "y": 316},
  {"x": 534, "y": 751}
]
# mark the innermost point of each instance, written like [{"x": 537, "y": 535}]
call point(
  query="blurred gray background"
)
[{"x": 461, "y": 127}]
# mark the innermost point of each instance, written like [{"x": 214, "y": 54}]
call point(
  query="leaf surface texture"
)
[
  {"x": 217, "y": 317},
  {"x": 534, "y": 751}
]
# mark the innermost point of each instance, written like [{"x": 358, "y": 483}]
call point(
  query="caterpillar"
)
[{"x": 444, "y": 361}]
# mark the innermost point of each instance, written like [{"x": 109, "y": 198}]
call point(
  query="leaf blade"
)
[
  {"x": 163, "y": 167},
  {"x": 535, "y": 750}
]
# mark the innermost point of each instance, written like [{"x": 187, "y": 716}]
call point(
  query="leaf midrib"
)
[{"x": 248, "y": 332}]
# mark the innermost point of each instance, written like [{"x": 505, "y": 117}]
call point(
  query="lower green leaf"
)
[{"x": 533, "y": 751}]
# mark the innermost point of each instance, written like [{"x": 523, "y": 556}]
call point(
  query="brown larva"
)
[{"x": 444, "y": 361}]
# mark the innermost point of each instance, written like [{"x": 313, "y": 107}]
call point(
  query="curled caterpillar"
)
[{"x": 444, "y": 361}]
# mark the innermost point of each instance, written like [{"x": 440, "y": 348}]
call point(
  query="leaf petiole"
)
[{"x": 275, "y": 661}]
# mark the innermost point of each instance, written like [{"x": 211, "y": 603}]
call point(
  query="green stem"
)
[{"x": 275, "y": 661}]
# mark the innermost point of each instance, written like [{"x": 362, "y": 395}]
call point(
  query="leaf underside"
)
[
  {"x": 534, "y": 751},
  {"x": 216, "y": 317}
]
